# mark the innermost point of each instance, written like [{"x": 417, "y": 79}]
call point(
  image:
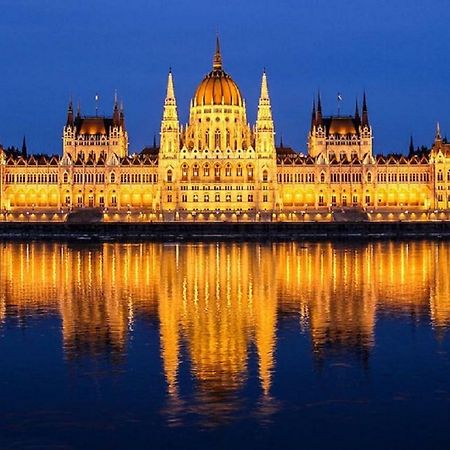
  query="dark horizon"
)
[{"x": 391, "y": 50}]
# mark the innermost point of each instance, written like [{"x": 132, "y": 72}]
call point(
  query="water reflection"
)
[{"x": 219, "y": 304}]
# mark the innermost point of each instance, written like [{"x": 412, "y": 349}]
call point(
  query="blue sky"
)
[{"x": 398, "y": 51}]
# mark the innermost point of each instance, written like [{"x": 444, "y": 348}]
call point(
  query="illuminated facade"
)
[{"x": 219, "y": 168}]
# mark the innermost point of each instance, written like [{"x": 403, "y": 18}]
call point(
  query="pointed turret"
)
[
  {"x": 265, "y": 136},
  {"x": 357, "y": 117},
  {"x": 365, "y": 115},
  {"x": 319, "y": 120},
  {"x": 70, "y": 113},
  {"x": 411, "y": 146},
  {"x": 24, "y": 147},
  {"x": 217, "y": 61},
  {"x": 122, "y": 116},
  {"x": 169, "y": 126},
  {"x": 438, "y": 132},
  {"x": 313, "y": 114},
  {"x": 116, "y": 113}
]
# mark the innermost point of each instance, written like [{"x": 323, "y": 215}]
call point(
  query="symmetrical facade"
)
[{"x": 219, "y": 168}]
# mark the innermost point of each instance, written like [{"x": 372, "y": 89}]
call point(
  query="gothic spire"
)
[
  {"x": 264, "y": 88},
  {"x": 319, "y": 110},
  {"x": 313, "y": 114},
  {"x": 116, "y": 113},
  {"x": 217, "y": 61},
  {"x": 24, "y": 147},
  {"x": 438, "y": 131},
  {"x": 170, "y": 94},
  {"x": 365, "y": 115},
  {"x": 357, "y": 118},
  {"x": 70, "y": 113},
  {"x": 411, "y": 146}
]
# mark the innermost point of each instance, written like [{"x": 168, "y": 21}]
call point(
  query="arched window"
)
[
  {"x": 206, "y": 170},
  {"x": 217, "y": 139},
  {"x": 228, "y": 138},
  {"x": 369, "y": 177},
  {"x": 250, "y": 172},
  {"x": 440, "y": 176},
  {"x": 239, "y": 171},
  {"x": 184, "y": 172},
  {"x": 265, "y": 175},
  {"x": 322, "y": 178},
  {"x": 217, "y": 172},
  {"x": 228, "y": 170},
  {"x": 169, "y": 176},
  {"x": 65, "y": 177},
  {"x": 207, "y": 139},
  {"x": 113, "y": 177},
  {"x": 195, "y": 170}
]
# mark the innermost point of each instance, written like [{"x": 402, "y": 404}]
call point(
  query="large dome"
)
[{"x": 218, "y": 88}]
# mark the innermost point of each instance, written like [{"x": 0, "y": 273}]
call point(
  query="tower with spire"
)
[
  {"x": 170, "y": 127},
  {"x": 340, "y": 137},
  {"x": 94, "y": 137},
  {"x": 265, "y": 134}
]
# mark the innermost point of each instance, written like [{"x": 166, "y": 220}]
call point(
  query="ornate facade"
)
[{"x": 219, "y": 168}]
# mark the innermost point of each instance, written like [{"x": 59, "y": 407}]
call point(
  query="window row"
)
[{"x": 32, "y": 178}]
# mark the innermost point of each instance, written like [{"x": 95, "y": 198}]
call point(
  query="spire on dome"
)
[{"x": 217, "y": 61}]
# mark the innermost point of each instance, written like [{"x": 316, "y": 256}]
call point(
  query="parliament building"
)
[{"x": 218, "y": 167}]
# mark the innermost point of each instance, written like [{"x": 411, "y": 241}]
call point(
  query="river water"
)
[{"x": 225, "y": 345}]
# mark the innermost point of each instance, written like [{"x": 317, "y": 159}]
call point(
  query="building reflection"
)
[{"x": 218, "y": 305}]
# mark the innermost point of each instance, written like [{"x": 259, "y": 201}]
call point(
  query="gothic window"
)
[
  {"x": 228, "y": 138},
  {"x": 207, "y": 139},
  {"x": 321, "y": 200},
  {"x": 369, "y": 177},
  {"x": 440, "y": 176},
  {"x": 65, "y": 177},
  {"x": 195, "y": 171},
  {"x": 322, "y": 178},
  {"x": 184, "y": 172},
  {"x": 265, "y": 176},
  {"x": 113, "y": 177},
  {"x": 206, "y": 198},
  {"x": 228, "y": 170},
  {"x": 217, "y": 172},
  {"x": 250, "y": 172},
  {"x": 169, "y": 176},
  {"x": 217, "y": 139},
  {"x": 239, "y": 171},
  {"x": 206, "y": 170}
]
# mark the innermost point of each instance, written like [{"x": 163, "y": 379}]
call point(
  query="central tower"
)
[{"x": 217, "y": 167}]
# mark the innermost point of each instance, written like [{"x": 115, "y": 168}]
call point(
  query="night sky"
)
[{"x": 396, "y": 50}]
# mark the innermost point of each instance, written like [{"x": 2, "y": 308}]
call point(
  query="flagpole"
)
[{"x": 96, "y": 105}]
